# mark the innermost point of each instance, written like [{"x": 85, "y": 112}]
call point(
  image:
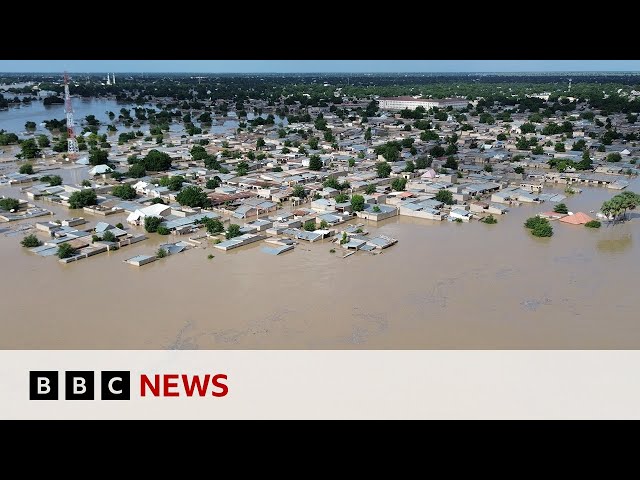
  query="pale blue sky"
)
[{"x": 303, "y": 66}]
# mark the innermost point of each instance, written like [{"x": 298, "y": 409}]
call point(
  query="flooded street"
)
[{"x": 443, "y": 286}]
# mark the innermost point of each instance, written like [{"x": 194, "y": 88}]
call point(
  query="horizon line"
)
[{"x": 344, "y": 72}]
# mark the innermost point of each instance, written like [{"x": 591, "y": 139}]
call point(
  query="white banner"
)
[{"x": 320, "y": 384}]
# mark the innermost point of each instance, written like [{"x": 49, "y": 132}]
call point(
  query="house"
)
[
  {"x": 531, "y": 186},
  {"x": 422, "y": 208},
  {"x": 156, "y": 210},
  {"x": 459, "y": 213},
  {"x": 377, "y": 212},
  {"x": 323, "y": 205},
  {"x": 100, "y": 170}
]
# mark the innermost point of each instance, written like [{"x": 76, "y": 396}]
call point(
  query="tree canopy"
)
[{"x": 193, "y": 196}]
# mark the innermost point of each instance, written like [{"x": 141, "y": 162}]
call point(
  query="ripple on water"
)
[{"x": 535, "y": 303}]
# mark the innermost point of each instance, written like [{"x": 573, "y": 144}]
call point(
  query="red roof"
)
[{"x": 578, "y": 218}]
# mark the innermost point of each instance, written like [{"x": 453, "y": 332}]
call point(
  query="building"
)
[{"x": 400, "y": 103}]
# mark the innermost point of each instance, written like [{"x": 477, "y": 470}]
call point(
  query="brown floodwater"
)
[{"x": 443, "y": 286}]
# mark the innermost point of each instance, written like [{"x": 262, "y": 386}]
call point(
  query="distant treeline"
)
[{"x": 609, "y": 92}]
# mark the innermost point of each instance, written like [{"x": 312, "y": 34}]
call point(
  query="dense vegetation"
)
[
  {"x": 9, "y": 204},
  {"x": 30, "y": 241},
  {"x": 540, "y": 227},
  {"x": 83, "y": 198}
]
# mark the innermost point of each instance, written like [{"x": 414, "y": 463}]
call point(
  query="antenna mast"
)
[{"x": 72, "y": 143}]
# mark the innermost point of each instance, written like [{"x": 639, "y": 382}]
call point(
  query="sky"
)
[{"x": 317, "y": 66}]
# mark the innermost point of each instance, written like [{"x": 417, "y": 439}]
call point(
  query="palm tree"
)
[{"x": 607, "y": 209}]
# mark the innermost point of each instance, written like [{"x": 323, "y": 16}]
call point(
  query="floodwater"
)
[
  {"x": 14, "y": 118},
  {"x": 443, "y": 286}
]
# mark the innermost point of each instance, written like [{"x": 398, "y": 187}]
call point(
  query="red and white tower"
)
[{"x": 72, "y": 143}]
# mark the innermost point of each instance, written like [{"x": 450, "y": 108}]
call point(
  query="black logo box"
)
[{"x": 79, "y": 385}]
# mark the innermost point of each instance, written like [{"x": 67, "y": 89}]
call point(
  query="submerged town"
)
[{"x": 223, "y": 163}]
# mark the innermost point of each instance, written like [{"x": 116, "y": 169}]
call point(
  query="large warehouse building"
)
[{"x": 400, "y": 103}]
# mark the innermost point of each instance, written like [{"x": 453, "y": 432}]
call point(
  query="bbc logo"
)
[{"x": 79, "y": 385}]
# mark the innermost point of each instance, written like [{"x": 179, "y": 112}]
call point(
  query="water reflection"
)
[{"x": 617, "y": 243}]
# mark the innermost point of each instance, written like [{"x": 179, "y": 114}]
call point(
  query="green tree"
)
[
  {"x": 98, "y": 157},
  {"x": 313, "y": 143},
  {"x": 174, "y": 183},
  {"x": 137, "y": 170},
  {"x": 53, "y": 180},
  {"x": 213, "y": 183},
  {"x": 233, "y": 231},
  {"x": 65, "y": 250},
  {"x": 352, "y": 162},
  {"x": 162, "y": 230},
  {"x": 537, "y": 150},
  {"x": 43, "y": 141},
  {"x": 315, "y": 163},
  {"x": 527, "y": 128},
  {"x": 519, "y": 170},
  {"x": 451, "y": 149},
  {"x": 451, "y": 163},
  {"x": 410, "y": 166},
  {"x": 367, "y": 134},
  {"x": 370, "y": 189},
  {"x": 376, "y": 209},
  {"x": 109, "y": 236},
  {"x": 593, "y": 224},
  {"x": 383, "y": 169},
  {"x": 151, "y": 223},
  {"x": 83, "y": 198},
  {"x": 198, "y": 152},
  {"x": 357, "y": 203},
  {"x": 399, "y": 184},
  {"x": 242, "y": 168},
  {"x": 125, "y": 192},
  {"x": 559, "y": 147},
  {"x": 437, "y": 151},
  {"x": 161, "y": 253},
  {"x": 540, "y": 227},
  {"x": 26, "y": 169},
  {"x": 214, "y": 226},
  {"x": 310, "y": 225},
  {"x": 561, "y": 208},
  {"x": 423, "y": 162},
  {"x": 29, "y": 149},
  {"x": 445, "y": 196},
  {"x": 578, "y": 145},
  {"x": 299, "y": 191},
  {"x": 156, "y": 161},
  {"x": 193, "y": 196},
  {"x": 260, "y": 143},
  {"x": 9, "y": 204},
  {"x": 30, "y": 241},
  {"x": 614, "y": 157},
  {"x": 342, "y": 198},
  {"x": 429, "y": 135}
]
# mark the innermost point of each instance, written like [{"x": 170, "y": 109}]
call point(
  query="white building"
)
[
  {"x": 400, "y": 103},
  {"x": 156, "y": 210}
]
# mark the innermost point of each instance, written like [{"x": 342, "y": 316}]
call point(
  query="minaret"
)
[
  {"x": 72, "y": 143},
  {"x": 114, "y": 79},
  {"x": 108, "y": 79}
]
